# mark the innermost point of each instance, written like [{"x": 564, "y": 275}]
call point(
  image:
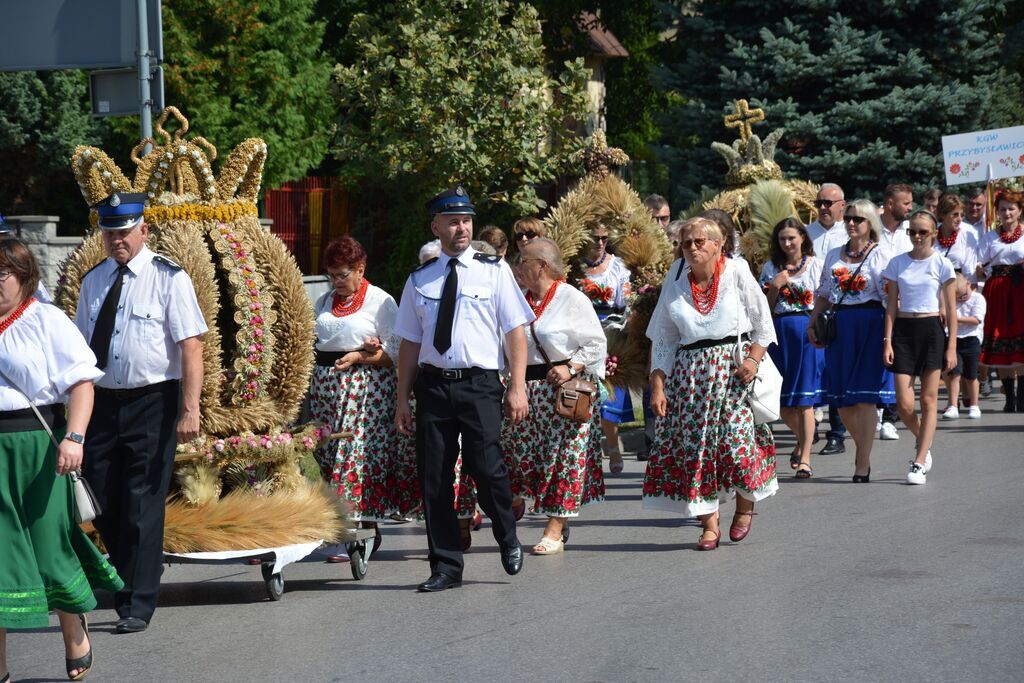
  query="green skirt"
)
[{"x": 47, "y": 561}]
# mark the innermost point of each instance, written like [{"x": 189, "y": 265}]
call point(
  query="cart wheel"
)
[
  {"x": 275, "y": 585},
  {"x": 357, "y": 559}
]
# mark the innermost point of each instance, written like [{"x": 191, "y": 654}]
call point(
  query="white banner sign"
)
[{"x": 967, "y": 156}]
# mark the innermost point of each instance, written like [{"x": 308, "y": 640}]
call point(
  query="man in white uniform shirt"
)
[
  {"x": 829, "y": 231},
  {"x": 457, "y": 313},
  {"x": 899, "y": 201},
  {"x": 139, "y": 312}
]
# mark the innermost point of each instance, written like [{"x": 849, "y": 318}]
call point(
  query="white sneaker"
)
[
  {"x": 952, "y": 413},
  {"x": 974, "y": 413},
  {"x": 928, "y": 461},
  {"x": 887, "y": 432},
  {"x": 916, "y": 474}
]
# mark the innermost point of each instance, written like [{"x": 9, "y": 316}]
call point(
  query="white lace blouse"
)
[
  {"x": 376, "y": 318},
  {"x": 798, "y": 295},
  {"x": 994, "y": 252},
  {"x": 569, "y": 330},
  {"x": 43, "y": 354},
  {"x": 675, "y": 321}
]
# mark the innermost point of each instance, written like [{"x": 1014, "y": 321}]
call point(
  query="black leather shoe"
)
[
  {"x": 832, "y": 447},
  {"x": 438, "y": 582},
  {"x": 130, "y": 625},
  {"x": 512, "y": 560}
]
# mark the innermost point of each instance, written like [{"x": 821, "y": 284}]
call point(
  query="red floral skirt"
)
[
  {"x": 707, "y": 445},
  {"x": 1003, "y": 345},
  {"x": 553, "y": 459}
]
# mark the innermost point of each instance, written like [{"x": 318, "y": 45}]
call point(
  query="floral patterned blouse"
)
[
  {"x": 837, "y": 278},
  {"x": 609, "y": 290},
  {"x": 798, "y": 295}
]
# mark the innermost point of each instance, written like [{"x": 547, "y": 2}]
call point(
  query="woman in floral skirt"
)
[
  {"x": 46, "y": 561},
  {"x": 706, "y": 443},
  {"x": 789, "y": 280},
  {"x": 353, "y": 388},
  {"x": 552, "y": 458},
  {"x": 605, "y": 282}
]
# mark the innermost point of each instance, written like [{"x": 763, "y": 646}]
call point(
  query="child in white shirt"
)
[{"x": 970, "y": 320}]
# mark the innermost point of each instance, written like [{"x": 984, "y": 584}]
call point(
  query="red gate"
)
[{"x": 308, "y": 214}]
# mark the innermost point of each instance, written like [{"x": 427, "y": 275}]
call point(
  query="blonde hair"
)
[
  {"x": 712, "y": 230},
  {"x": 530, "y": 223}
]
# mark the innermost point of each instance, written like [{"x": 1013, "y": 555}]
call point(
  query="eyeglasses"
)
[
  {"x": 856, "y": 220},
  {"x": 663, "y": 219},
  {"x": 4, "y": 274},
  {"x": 528, "y": 235},
  {"x": 527, "y": 260},
  {"x": 600, "y": 238},
  {"x": 697, "y": 242},
  {"x": 338, "y": 276},
  {"x": 826, "y": 203}
]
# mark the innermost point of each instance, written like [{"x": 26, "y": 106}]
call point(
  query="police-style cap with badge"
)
[
  {"x": 452, "y": 201},
  {"x": 121, "y": 210}
]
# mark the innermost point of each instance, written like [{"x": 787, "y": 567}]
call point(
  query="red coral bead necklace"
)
[
  {"x": 947, "y": 242},
  {"x": 1011, "y": 237},
  {"x": 548, "y": 296},
  {"x": 704, "y": 299},
  {"x": 341, "y": 308},
  {"x": 15, "y": 314}
]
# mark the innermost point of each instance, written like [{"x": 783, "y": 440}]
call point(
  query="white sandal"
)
[{"x": 548, "y": 546}]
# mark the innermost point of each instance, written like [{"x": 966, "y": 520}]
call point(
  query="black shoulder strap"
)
[
  {"x": 94, "y": 268},
  {"x": 425, "y": 264},
  {"x": 166, "y": 261},
  {"x": 540, "y": 346},
  {"x": 857, "y": 272},
  {"x": 486, "y": 258}
]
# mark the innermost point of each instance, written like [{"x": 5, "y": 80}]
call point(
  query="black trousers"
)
[
  {"x": 129, "y": 459},
  {"x": 446, "y": 409}
]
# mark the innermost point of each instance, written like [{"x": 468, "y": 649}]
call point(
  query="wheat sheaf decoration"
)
[{"x": 242, "y": 473}]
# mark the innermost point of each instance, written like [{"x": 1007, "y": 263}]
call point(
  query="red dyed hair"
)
[
  {"x": 344, "y": 251},
  {"x": 1012, "y": 197}
]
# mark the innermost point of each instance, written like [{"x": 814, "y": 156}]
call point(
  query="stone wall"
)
[{"x": 40, "y": 234}]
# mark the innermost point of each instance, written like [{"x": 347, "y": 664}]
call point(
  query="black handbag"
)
[{"x": 825, "y": 324}]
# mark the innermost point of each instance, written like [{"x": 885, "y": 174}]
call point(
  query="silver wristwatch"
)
[
  {"x": 75, "y": 436},
  {"x": 572, "y": 370}
]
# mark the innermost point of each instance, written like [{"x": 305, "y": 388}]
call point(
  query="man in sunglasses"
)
[
  {"x": 827, "y": 233},
  {"x": 658, "y": 206}
]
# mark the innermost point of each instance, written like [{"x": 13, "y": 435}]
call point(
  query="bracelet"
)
[{"x": 756, "y": 361}]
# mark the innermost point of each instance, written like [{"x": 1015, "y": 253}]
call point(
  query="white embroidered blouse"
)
[
  {"x": 569, "y": 330},
  {"x": 376, "y": 318},
  {"x": 798, "y": 295}
]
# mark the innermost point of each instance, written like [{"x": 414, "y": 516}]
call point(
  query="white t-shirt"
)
[
  {"x": 974, "y": 306},
  {"x": 920, "y": 281},
  {"x": 569, "y": 330},
  {"x": 375, "y": 318}
]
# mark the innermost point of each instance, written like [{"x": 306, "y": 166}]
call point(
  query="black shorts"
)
[
  {"x": 918, "y": 344},
  {"x": 968, "y": 350}
]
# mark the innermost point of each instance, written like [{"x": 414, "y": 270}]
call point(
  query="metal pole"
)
[{"x": 145, "y": 101}]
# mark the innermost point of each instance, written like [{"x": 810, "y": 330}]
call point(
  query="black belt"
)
[
  {"x": 1014, "y": 272},
  {"x": 129, "y": 394},
  {"x": 454, "y": 373},
  {"x": 866, "y": 304},
  {"x": 607, "y": 308},
  {"x": 540, "y": 371},
  {"x": 708, "y": 343},
  {"x": 792, "y": 313},
  {"x": 328, "y": 358},
  {"x": 25, "y": 420}
]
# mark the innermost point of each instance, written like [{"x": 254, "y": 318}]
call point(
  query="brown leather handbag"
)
[{"x": 574, "y": 398}]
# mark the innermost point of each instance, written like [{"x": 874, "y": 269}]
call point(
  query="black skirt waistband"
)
[
  {"x": 540, "y": 370},
  {"x": 790, "y": 314},
  {"x": 25, "y": 420},
  {"x": 129, "y": 394},
  {"x": 708, "y": 343},
  {"x": 454, "y": 373},
  {"x": 328, "y": 358},
  {"x": 866, "y": 304}
]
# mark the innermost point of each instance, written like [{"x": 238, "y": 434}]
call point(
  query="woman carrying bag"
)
[{"x": 47, "y": 562}]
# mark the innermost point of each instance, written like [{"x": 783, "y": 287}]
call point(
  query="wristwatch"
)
[
  {"x": 75, "y": 436},
  {"x": 572, "y": 370}
]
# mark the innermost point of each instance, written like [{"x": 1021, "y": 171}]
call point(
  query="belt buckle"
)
[{"x": 451, "y": 374}]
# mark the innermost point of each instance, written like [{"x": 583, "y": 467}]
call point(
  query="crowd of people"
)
[{"x": 454, "y": 394}]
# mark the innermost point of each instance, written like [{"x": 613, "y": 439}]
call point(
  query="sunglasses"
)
[
  {"x": 697, "y": 242},
  {"x": 826, "y": 203},
  {"x": 600, "y": 238},
  {"x": 919, "y": 233},
  {"x": 528, "y": 235},
  {"x": 663, "y": 219},
  {"x": 856, "y": 220}
]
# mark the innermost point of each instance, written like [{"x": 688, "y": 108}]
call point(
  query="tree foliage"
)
[{"x": 865, "y": 90}]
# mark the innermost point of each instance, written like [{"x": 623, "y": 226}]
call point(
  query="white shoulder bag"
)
[{"x": 765, "y": 396}]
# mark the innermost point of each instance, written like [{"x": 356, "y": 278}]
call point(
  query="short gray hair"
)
[
  {"x": 549, "y": 252},
  {"x": 483, "y": 247},
  {"x": 431, "y": 249}
]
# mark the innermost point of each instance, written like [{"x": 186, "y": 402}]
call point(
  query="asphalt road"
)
[{"x": 836, "y": 582}]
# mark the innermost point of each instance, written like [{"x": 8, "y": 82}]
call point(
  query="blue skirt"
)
[
  {"x": 798, "y": 361},
  {"x": 854, "y": 372},
  {"x": 618, "y": 408}
]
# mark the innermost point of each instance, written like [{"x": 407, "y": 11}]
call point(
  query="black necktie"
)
[
  {"x": 446, "y": 312},
  {"x": 104, "y": 329}
]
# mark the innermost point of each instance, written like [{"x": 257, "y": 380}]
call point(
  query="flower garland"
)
[
  {"x": 248, "y": 447},
  {"x": 254, "y": 338}
]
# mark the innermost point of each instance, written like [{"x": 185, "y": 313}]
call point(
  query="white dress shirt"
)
[
  {"x": 375, "y": 318},
  {"x": 156, "y": 311},
  {"x": 895, "y": 242},
  {"x": 676, "y": 321},
  {"x": 824, "y": 240},
  {"x": 835, "y": 268},
  {"x": 973, "y": 307},
  {"x": 569, "y": 329},
  {"x": 43, "y": 355},
  {"x": 489, "y": 305},
  {"x": 994, "y": 252}
]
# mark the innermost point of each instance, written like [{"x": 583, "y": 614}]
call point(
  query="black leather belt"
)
[
  {"x": 25, "y": 420},
  {"x": 789, "y": 314},
  {"x": 129, "y": 394},
  {"x": 866, "y": 304},
  {"x": 453, "y": 373},
  {"x": 708, "y": 343},
  {"x": 328, "y": 358},
  {"x": 540, "y": 371}
]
